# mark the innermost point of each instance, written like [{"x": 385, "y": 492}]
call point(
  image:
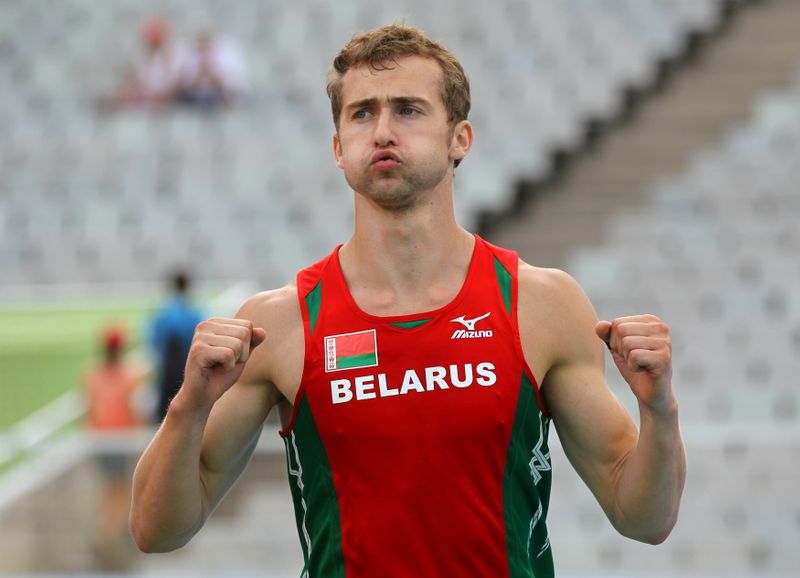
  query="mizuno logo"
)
[
  {"x": 470, "y": 323},
  {"x": 470, "y": 332}
]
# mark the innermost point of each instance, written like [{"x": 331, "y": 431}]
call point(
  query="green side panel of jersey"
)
[
  {"x": 526, "y": 490},
  {"x": 316, "y": 504},
  {"x": 504, "y": 281},
  {"x": 313, "y": 303},
  {"x": 410, "y": 324}
]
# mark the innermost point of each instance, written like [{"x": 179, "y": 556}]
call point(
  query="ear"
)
[
  {"x": 461, "y": 142},
  {"x": 337, "y": 149}
]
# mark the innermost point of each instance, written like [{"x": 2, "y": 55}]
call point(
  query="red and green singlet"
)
[{"x": 418, "y": 444}]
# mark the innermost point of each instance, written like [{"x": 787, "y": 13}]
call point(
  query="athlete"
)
[{"x": 417, "y": 368}]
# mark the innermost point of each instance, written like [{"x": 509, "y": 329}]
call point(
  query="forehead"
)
[{"x": 410, "y": 76}]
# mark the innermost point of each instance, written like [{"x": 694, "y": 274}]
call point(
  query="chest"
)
[{"x": 454, "y": 380}]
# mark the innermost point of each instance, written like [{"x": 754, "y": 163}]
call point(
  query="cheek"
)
[{"x": 348, "y": 142}]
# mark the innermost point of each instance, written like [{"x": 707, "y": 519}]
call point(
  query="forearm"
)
[
  {"x": 650, "y": 480},
  {"x": 169, "y": 505}
]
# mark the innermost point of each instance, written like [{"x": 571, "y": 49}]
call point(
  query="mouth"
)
[{"x": 384, "y": 160}]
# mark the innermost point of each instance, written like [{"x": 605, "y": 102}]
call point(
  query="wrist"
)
[
  {"x": 661, "y": 421},
  {"x": 664, "y": 410},
  {"x": 184, "y": 404}
]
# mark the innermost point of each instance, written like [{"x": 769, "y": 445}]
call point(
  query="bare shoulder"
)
[
  {"x": 279, "y": 360},
  {"x": 546, "y": 283},
  {"x": 277, "y": 308},
  {"x": 556, "y": 319},
  {"x": 552, "y": 295}
]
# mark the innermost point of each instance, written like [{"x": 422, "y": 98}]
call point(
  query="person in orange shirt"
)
[
  {"x": 111, "y": 387},
  {"x": 110, "y": 390}
]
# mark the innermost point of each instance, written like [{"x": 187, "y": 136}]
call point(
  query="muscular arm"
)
[
  {"x": 636, "y": 476},
  {"x": 213, "y": 423}
]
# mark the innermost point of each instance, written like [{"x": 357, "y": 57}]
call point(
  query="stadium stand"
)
[
  {"x": 94, "y": 198},
  {"x": 711, "y": 248},
  {"x": 714, "y": 250}
]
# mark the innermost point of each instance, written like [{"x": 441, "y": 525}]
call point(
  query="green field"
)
[{"x": 45, "y": 347}]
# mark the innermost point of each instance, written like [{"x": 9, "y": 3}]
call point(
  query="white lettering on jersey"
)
[
  {"x": 467, "y": 381},
  {"x": 384, "y": 391},
  {"x": 470, "y": 332},
  {"x": 365, "y": 387},
  {"x": 487, "y": 375},
  {"x": 464, "y": 334},
  {"x": 436, "y": 378},
  {"x": 340, "y": 391},
  {"x": 411, "y": 381}
]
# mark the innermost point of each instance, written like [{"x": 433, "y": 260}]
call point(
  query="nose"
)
[{"x": 385, "y": 129}]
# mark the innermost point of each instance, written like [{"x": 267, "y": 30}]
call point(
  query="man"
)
[
  {"x": 212, "y": 73},
  {"x": 417, "y": 368},
  {"x": 171, "y": 337}
]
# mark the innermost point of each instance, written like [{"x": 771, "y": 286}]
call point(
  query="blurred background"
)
[{"x": 651, "y": 148}]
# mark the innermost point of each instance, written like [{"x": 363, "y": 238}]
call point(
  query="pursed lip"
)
[{"x": 385, "y": 155}]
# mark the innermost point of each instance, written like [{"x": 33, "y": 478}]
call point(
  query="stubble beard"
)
[{"x": 401, "y": 189}]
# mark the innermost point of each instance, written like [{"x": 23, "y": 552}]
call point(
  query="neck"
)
[{"x": 398, "y": 263}]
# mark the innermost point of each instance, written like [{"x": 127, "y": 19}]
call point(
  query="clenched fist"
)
[
  {"x": 220, "y": 348},
  {"x": 642, "y": 351}
]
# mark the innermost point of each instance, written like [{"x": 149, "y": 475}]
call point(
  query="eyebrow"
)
[{"x": 395, "y": 100}]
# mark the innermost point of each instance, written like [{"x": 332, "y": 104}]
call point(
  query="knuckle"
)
[
  {"x": 622, "y": 330},
  {"x": 661, "y": 327},
  {"x": 628, "y": 341},
  {"x": 197, "y": 351},
  {"x": 638, "y": 355}
]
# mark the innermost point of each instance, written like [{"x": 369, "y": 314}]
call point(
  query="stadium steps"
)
[
  {"x": 49, "y": 523},
  {"x": 707, "y": 95}
]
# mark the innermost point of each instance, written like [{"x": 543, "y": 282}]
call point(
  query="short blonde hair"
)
[{"x": 380, "y": 47}]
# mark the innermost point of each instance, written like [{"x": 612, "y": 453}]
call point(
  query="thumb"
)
[
  {"x": 603, "y": 331},
  {"x": 257, "y": 337}
]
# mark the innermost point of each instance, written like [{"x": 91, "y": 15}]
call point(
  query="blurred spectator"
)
[
  {"x": 153, "y": 79},
  {"x": 111, "y": 387},
  {"x": 110, "y": 391},
  {"x": 172, "y": 333},
  {"x": 213, "y": 72}
]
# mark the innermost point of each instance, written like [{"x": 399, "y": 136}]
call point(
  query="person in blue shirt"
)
[{"x": 170, "y": 338}]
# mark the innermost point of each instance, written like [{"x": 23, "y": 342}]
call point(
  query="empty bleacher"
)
[
  {"x": 253, "y": 193},
  {"x": 713, "y": 251}
]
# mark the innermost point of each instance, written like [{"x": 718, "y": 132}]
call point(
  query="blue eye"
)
[
  {"x": 360, "y": 114},
  {"x": 408, "y": 111}
]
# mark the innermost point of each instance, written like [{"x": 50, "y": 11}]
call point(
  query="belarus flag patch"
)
[{"x": 351, "y": 350}]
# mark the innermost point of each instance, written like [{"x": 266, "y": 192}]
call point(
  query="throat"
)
[
  {"x": 407, "y": 301},
  {"x": 405, "y": 284}
]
